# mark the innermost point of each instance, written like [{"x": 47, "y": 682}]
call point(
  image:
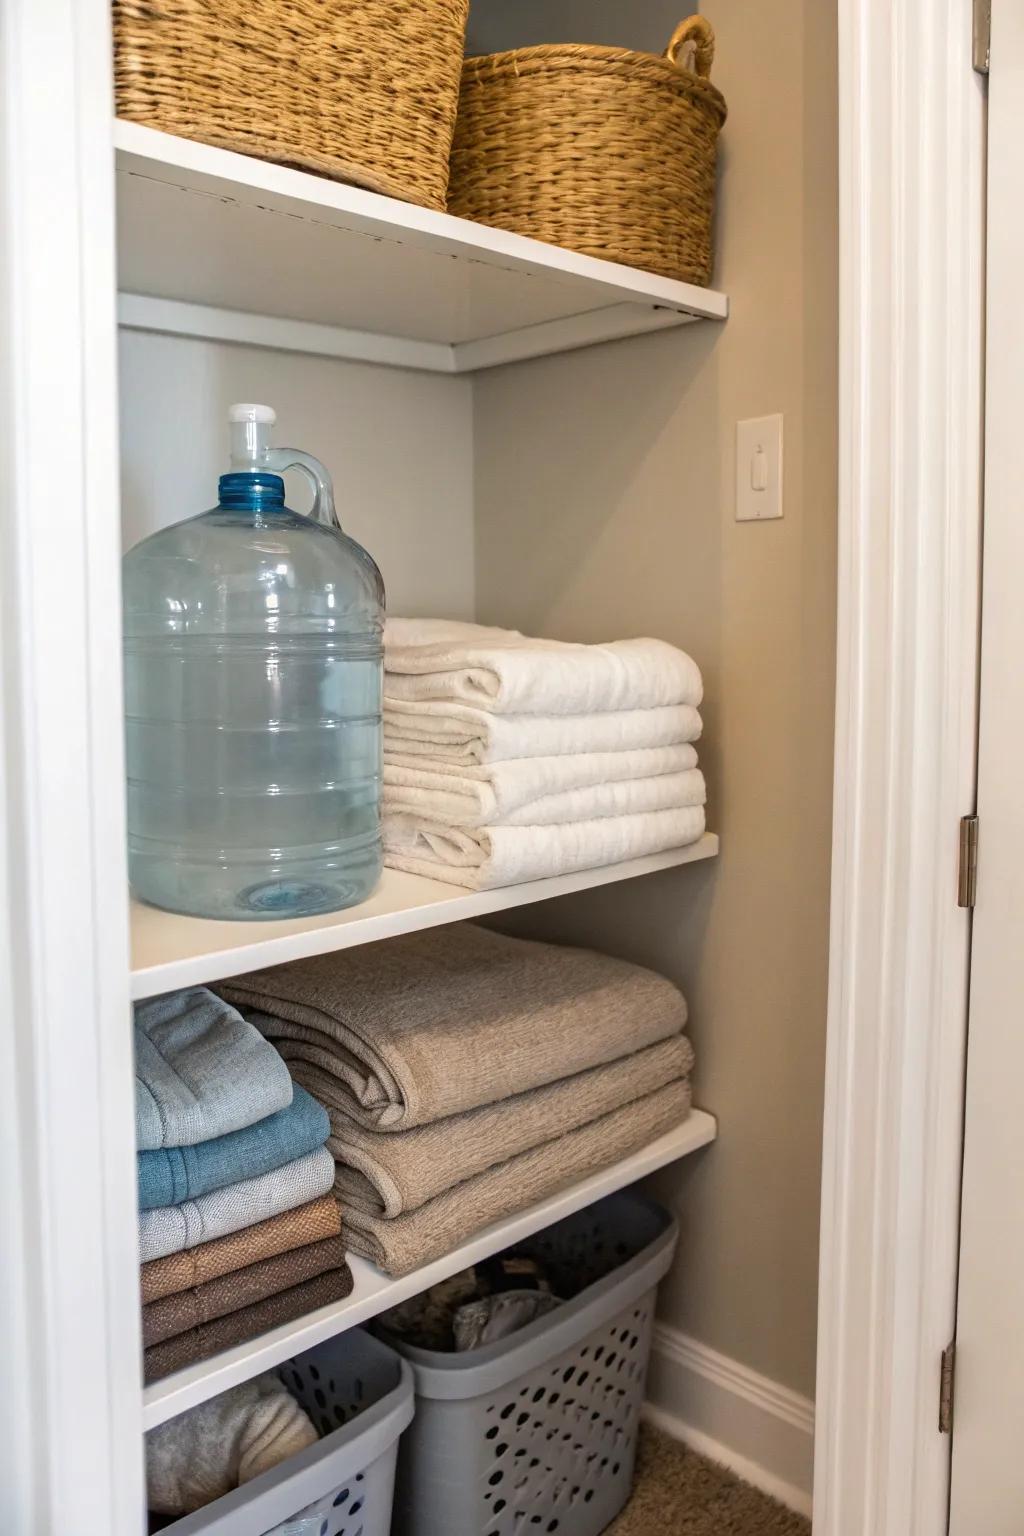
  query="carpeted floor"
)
[{"x": 678, "y": 1493}]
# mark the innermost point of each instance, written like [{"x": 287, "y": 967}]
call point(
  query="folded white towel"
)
[
  {"x": 465, "y": 734},
  {"x": 509, "y": 673},
  {"x": 495, "y": 856},
  {"x": 539, "y": 791}
]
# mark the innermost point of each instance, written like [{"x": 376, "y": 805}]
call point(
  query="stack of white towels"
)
[{"x": 509, "y": 759}]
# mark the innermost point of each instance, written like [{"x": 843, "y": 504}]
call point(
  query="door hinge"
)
[
  {"x": 946, "y": 1389},
  {"x": 982, "y": 35},
  {"x": 967, "y": 873}
]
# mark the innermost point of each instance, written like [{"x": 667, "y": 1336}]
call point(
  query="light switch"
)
[{"x": 758, "y": 469}]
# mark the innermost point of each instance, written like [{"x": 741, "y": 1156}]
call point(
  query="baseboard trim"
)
[{"x": 762, "y": 1431}]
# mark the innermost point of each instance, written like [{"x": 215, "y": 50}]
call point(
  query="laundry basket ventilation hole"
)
[
  {"x": 584, "y": 1253},
  {"x": 321, "y": 1399}
]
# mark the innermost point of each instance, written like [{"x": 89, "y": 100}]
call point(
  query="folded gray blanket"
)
[
  {"x": 436, "y": 1023},
  {"x": 170, "y": 1228},
  {"x": 389, "y": 1175},
  {"x": 401, "y": 1244},
  {"x": 200, "y": 1071}
]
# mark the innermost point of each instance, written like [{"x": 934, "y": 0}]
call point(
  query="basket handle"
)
[{"x": 694, "y": 39}]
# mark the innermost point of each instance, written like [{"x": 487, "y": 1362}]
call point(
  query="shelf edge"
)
[
  {"x": 568, "y": 333},
  {"x": 175, "y": 317},
  {"x": 147, "y": 151},
  {"x": 460, "y": 905}
]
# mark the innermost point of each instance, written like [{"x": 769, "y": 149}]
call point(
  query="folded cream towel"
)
[
  {"x": 434, "y": 1023},
  {"x": 169, "y": 1228},
  {"x": 389, "y": 1175},
  {"x": 205, "y": 1452},
  {"x": 486, "y": 858},
  {"x": 509, "y": 673},
  {"x": 463, "y": 734},
  {"x": 536, "y": 791},
  {"x": 403, "y": 1243}
]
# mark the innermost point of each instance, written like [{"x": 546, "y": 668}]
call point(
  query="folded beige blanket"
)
[
  {"x": 432, "y": 1024},
  {"x": 388, "y": 1175},
  {"x": 402, "y": 1243}
]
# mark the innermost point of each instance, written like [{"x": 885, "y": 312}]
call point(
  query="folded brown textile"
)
[
  {"x": 238, "y": 1327},
  {"x": 403, "y": 1243},
  {"x": 389, "y": 1175},
  {"x": 308, "y": 1223},
  {"x": 431, "y": 1024},
  {"x": 176, "y": 1314}
]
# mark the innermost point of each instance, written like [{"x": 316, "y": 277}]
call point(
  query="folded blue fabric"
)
[
  {"x": 170, "y": 1175},
  {"x": 201, "y": 1071}
]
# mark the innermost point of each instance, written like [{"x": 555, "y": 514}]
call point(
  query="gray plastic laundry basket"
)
[
  {"x": 537, "y": 1432},
  {"x": 359, "y": 1395}
]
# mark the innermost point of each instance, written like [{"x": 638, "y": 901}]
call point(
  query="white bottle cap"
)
[{"x": 265, "y": 415}]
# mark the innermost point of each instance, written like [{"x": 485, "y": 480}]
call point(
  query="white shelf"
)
[
  {"x": 169, "y": 951},
  {"x": 374, "y": 1292},
  {"x": 221, "y": 245}
]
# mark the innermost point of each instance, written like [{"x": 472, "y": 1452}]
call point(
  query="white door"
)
[{"x": 987, "y": 1497}]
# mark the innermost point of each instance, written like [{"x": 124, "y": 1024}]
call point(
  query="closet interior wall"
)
[
  {"x": 604, "y": 507},
  {"x": 399, "y": 445}
]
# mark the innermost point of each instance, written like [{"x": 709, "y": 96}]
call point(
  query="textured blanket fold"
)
[
  {"x": 207, "y": 1451},
  {"x": 245, "y": 1324},
  {"x": 434, "y": 1023},
  {"x": 200, "y": 1071},
  {"x": 167, "y": 1228},
  {"x": 464, "y": 734},
  {"x": 241, "y": 1288},
  {"x": 541, "y": 790},
  {"x": 387, "y": 1175},
  {"x": 402, "y": 1243},
  {"x": 486, "y": 858},
  {"x": 170, "y": 1175},
  {"x": 509, "y": 673},
  {"x": 309, "y": 1223}
]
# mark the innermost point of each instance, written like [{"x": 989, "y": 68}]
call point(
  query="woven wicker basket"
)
[
  {"x": 364, "y": 91},
  {"x": 604, "y": 151}
]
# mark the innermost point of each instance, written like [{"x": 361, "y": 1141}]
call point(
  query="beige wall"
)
[
  {"x": 604, "y": 494},
  {"x": 399, "y": 446}
]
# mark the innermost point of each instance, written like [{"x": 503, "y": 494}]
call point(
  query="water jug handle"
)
[{"x": 280, "y": 459}]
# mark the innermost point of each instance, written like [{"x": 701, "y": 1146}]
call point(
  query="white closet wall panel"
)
[{"x": 398, "y": 444}]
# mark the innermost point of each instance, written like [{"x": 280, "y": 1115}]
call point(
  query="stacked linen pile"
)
[
  {"x": 509, "y": 759},
  {"x": 468, "y": 1075},
  {"x": 238, "y": 1228}
]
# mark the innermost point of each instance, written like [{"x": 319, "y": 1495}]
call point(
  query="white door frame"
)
[
  {"x": 911, "y": 140},
  {"x": 911, "y": 295},
  {"x": 70, "y": 1408}
]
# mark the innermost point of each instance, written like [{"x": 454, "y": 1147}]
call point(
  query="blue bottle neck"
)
[{"x": 251, "y": 491}]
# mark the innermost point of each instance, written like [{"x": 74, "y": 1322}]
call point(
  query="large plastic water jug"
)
[{"x": 253, "y": 643}]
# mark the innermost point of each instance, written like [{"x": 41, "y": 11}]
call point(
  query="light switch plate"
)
[{"x": 758, "y": 469}]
